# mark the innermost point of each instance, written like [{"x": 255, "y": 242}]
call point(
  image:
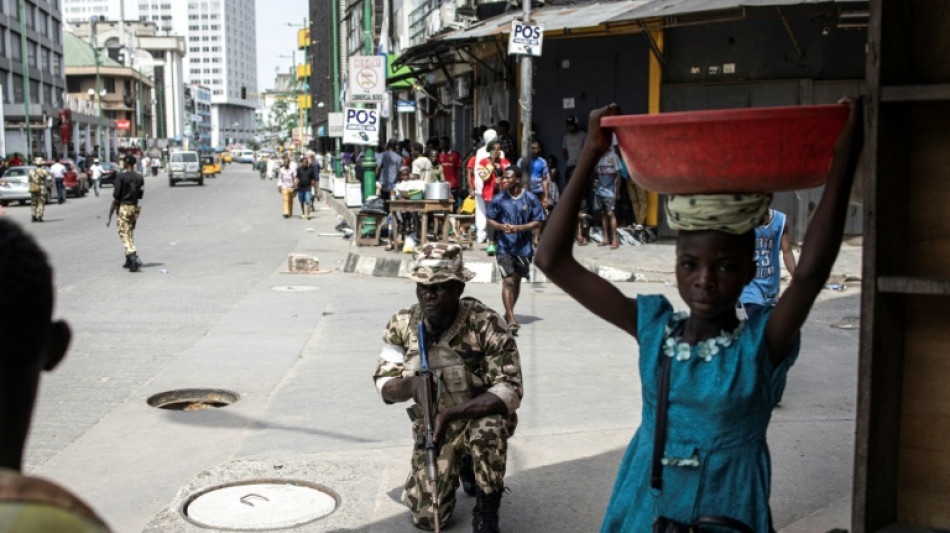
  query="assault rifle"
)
[
  {"x": 112, "y": 209},
  {"x": 428, "y": 419}
]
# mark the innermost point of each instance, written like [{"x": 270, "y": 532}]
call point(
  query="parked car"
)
[
  {"x": 74, "y": 180},
  {"x": 184, "y": 166},
  {"x": 109, "y": 172},
  {"x": 15, "y": 186}
]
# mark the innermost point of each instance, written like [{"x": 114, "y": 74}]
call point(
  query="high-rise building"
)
[
  {"x": 31, "y": 74},
  {"x": 221, "y": 51}
]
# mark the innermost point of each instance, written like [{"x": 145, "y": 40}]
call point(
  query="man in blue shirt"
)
[{"x": 514, "y": 215}]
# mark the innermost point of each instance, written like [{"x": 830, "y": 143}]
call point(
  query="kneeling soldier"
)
[{"x": 477, "y": 374}]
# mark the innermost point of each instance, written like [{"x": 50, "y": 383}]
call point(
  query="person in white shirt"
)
[
  {"x": 58, "y": 171},
  {"x": 96, "y": 170}
]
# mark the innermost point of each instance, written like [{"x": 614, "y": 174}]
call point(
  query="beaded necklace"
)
[{"x": 705, "y": 350}]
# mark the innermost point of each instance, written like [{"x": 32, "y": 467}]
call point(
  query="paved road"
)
[{"x": 212, "y": 309}]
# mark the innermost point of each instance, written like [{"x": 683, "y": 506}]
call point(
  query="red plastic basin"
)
[{"x": 732, "y": 150}]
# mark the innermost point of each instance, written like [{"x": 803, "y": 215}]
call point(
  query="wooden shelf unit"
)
[{"x": 902, "y": 466}]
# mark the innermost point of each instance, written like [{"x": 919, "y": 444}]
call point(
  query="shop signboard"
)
[
  {"x": 367, "y": 76},
  {"x": 360, "y": 126},
  {"x": 525, "y": 39},
  {"x": 335, "y": 124}
]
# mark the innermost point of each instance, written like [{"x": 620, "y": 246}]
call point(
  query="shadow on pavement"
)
[
  {"x": 564, "y": 497},
  {"x": 221, "y": 418}
]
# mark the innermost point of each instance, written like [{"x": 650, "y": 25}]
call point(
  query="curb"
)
[{"x": 486, "y": 272}]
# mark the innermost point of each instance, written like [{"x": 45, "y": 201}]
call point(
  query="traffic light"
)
[{"x": 243, "y": 93}]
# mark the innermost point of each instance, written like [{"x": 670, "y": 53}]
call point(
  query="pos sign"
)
[
  {"x": 360, "y": 126},
  {"x": 525, "y": 39}
]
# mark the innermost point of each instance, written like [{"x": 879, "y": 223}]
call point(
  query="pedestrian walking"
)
[
  {"x": 480, "y": 384},
  {"x": 303, "y": 184},
  {"x": 38, "y": 176},
  {"x": 127, "y": 193},
  {"x": 96, "y": 171},
  {"x": 286, "y": 177},
  {"x": 33, "y": 344},
  {"x": 514, "y": 215},
  {"x": 771, "y": 238},
  {"x": 390, "y": 161},
  {"x": 488, "y": 172},
  {"x": 704, "y": 456},
  {"x": 58, "y": 171},
  {"x": 504, "y": 137},
  {"x": 538, "y": 184},
  {"x": 606, "y": 190}
]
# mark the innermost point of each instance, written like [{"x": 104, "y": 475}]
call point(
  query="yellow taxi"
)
[{"x": 226, "y": 157}]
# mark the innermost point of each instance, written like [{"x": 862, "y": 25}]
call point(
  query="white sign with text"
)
[
  {"x": 367, "y": 76},
  {"x": 525, "y": 39},
  {"x": 335, "y": 124},
  {"x": 360, "y": 126}
]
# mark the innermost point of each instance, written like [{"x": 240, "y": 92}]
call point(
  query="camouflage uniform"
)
[
  {"x": 481, "y": 339},
  {"x": 37, "y": 176},
  {"x": 128, "y": 214}
]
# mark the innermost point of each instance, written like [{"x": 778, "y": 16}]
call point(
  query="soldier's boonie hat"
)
[
  {"x": 438, "y": 263},
  {"x": 37, "y": 160}
]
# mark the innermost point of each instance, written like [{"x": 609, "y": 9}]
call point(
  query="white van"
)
[
  {"x": 243, "y": 156},
  {"x": 184, "y": 166}
]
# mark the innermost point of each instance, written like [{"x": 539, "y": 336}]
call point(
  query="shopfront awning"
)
[
  {"x": 669, "y": 8},
  {"x": 399, "y": 77},
  {"x": 598, "y": 17}
]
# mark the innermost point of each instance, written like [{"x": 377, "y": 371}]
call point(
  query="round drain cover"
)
[
  {"x": 295, "y": 288},
  {"x": 257, "y": 505}
]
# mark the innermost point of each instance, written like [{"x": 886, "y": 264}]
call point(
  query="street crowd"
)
[{"x": 710, "y": 376}]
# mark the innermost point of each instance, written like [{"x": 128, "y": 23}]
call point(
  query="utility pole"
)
[
  {"x": 369, "y": 154},
  {"x": 95, "y": 50},
  {"x": 527, "y": 75},
  {"x": 335, "y": 10}
]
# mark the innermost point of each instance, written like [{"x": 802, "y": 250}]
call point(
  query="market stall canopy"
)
[{"x": 669, "y": 8}]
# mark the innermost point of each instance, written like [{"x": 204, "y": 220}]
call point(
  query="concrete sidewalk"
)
[{"x": 651, "y": 262}]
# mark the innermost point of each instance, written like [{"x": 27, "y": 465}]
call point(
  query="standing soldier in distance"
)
[
  {"x": 37, "y": 177},
  {"x": 128, "y": 192}
]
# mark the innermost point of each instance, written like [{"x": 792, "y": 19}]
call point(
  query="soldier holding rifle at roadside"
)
[{"x": 475, "y": 388}]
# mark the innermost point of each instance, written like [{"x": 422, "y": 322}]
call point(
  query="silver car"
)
[{"x": 15, "y": 186}]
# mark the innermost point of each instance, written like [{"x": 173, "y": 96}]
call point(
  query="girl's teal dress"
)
[{"x": 721, "y": 399}]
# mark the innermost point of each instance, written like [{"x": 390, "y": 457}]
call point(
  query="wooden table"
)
[{"x": 423, "y": 208}]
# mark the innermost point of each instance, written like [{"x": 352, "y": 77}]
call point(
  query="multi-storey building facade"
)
[
  {"x": 31, "y": 74},
  {"x": 198, "y": 114},
  {"x": 221, "y": 47}
]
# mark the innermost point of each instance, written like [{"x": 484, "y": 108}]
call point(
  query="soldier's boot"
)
[
  {"x": 467, "y": 474},
  {"x": 485, "y": 513},
  {"x": 128, "y": 261},
  {"x": 136, "y": 263},
  {"x": 32, "y": 218}
]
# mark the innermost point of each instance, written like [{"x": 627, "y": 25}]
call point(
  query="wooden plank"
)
[
  {"x": 924, "y": 468},
  {"x": 916, "y": 93},
  {"x": 913, "y": 285},
  {"x": 928, "y": 230}
]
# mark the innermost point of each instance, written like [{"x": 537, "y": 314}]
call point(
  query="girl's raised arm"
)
[
  {"x": 555, "y": 257},
  {"x": 822, "y": 240}
]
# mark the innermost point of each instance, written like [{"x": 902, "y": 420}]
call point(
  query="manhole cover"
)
[
  {"x": 850, "y": 322},
  {"x": 260, "y": 504},
  {"x": 193, "y": 399},
  {"x": 295, "y": 288}
]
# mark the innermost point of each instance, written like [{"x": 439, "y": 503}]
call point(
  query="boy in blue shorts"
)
[{"x": 514, "y": 215}]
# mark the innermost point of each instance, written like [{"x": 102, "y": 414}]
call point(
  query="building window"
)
[
  {"x": 15, "y": 46},
  {"x": 44, "y": 59},
  {"x": 73, "y": 85},
  {"x": 109, "y": 84},
  {"x": 17, "y": 89},
  {"x": 56, "y": 62},
  {"x": 31, "y": 53}
]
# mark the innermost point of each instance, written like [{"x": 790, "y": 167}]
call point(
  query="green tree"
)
[{"x": 282, "y": 119}]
